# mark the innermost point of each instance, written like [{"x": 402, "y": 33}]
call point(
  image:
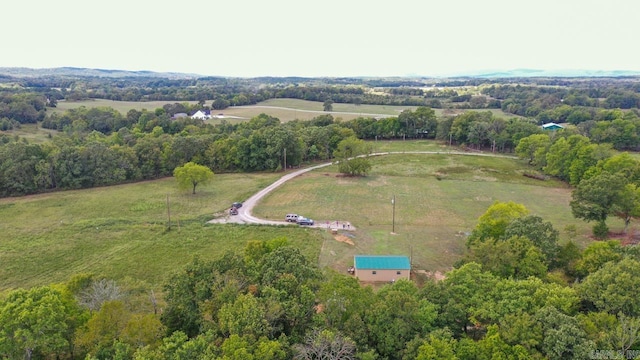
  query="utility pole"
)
[
  {"x": 285, "y": 159},
  {"x": 393, "y": 219},
  {"x": 169, "y": 211}
]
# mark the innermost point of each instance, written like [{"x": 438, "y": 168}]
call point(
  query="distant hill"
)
[
  {"x": 482, "y": 74},
  {"x": 85, "y": 72},
  {"x": 518, "y": 73}
]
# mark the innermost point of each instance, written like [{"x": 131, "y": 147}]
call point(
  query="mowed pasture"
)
[
  {"x": 283, "y": 109},
  {"x": 121, "y": 231},
  {"x": 122, "y": 106},
  {"x": 438, "y": 199}
]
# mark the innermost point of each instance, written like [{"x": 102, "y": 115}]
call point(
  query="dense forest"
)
[{"x": 517, "y": 293}]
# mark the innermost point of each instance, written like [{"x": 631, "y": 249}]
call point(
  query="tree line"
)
[
  {"x": 100, "y": 146},
  {"x": 606, "y": 183},
  {"x": 575, "y": 103}
]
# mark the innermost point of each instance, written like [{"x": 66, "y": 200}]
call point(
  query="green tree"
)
[
  {"x": 192, "y": 174},
  {"x": 37, "y": 323},
  {"x": 628, "y": 205},
  {"x": 178, "y": 346},
  {"x": 288, "y": 282},
  {"x": 350, "y": 154},
  {"x": 397, "y": 316},
  {"x": 342, "y": 299},
  {"x": 599, "y": 327},
  {"x": 185, "y": 291},
  {"x": 623, "y": 164},
  {"x": 515, "y": 257},
  {"x": 608, "y": 289},
  {"x": 220, "y": 103},
  {"x": 563, "y": 338},
  {"x": 426, "y": 122},
  {"x": 245, "y": 316},
  {"x": 463, "y": 290},
  {"x": 493, "y": 223},
  {"x": 540, "y": 232},
  {"x": 440, "y": 345},
  {"x": 596, "y": 255},
  {"x": 521, "y": 329},
  {"x": 595, "y": 198},
  {"x": 328, "y": 105},
  {"x": 513, "y": 296},
  {"x": 113, "y": 322},
  {"x": 493, "y": 346},
  {"x": 562, "y": 154}
]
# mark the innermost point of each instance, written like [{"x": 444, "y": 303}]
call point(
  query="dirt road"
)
[{"x": 244, "y": 213}]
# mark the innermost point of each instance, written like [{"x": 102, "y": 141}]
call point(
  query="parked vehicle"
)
[
  {"x": 236, "y": 205},
  {"x": 233, "y": 211},
  {"x": 304, "y": 221},
  {"x": 291, "y": 217}
]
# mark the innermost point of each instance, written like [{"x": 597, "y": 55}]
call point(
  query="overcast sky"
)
[{"x": 249, "y": 38}]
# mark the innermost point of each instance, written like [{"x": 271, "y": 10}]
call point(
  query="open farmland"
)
[
  {"x": 121, "y": 230},
  {"x": 439, "y": 198},
  {"x": 283, "y": 109},
  {"x": 121, "y": 106}
]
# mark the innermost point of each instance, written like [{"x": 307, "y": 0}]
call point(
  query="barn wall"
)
[{"x": 381, "y": 275}]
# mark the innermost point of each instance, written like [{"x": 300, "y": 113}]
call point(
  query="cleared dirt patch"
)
[
  {"x": 436, "y": 275},
  {"x": 344, "y": 239}
]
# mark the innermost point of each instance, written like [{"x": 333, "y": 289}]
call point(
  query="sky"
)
[{"x": 328, "y": 38}]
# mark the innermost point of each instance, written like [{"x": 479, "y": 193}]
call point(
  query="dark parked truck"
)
[{"x": 304, "y": 221}]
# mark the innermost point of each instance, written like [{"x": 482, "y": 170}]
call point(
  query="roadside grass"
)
[
  {"x": 121, "y": 231},
  {"x": 432, "y": 217}
]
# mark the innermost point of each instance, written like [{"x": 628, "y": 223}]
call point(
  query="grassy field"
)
[
  {"x": 121, "y": 231},
  {"x": 283, "y": 109},
  {"x": 32, "y": 132},
  {"x": 122, "y": 106},
  {"x": 431, "y": 216}
]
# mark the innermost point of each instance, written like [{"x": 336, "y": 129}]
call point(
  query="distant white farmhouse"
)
[{"x": 202, "y": 115}]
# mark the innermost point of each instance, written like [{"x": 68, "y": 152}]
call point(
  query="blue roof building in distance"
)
[{"x": 552, "y": 126}]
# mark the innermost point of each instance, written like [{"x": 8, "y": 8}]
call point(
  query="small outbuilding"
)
[
  {"x": 381, "y": 268},
  {"x": 552, "y": 126}
]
